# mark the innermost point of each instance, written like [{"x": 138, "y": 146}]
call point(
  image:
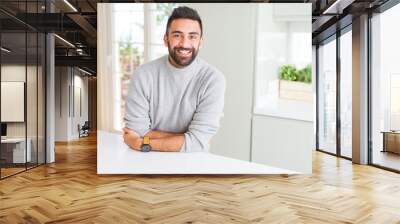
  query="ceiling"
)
[
  {"x": 329, "y": 16},
  {"x": 76, "y": 22},
  {"x": 77, "y": 25}
]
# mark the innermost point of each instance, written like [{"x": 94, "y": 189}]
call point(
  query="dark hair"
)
[{"x": 184, "y": 12}]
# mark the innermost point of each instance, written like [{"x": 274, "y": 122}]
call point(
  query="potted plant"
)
[{"x": 295, "y": 84}]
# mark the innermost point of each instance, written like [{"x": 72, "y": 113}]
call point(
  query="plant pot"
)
[{"x": 299, "y": 91}]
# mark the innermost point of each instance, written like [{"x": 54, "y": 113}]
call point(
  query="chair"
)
[{"x": 84, "y": 130}]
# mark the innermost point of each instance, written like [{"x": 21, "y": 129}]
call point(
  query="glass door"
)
[
  {"x": 327, "y": 96},
  {"x": 346, "y": 93},
  {"x": 385, "y": 89}
]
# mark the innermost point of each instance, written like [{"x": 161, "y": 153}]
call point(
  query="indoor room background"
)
[{"x": 264, "y": 51}]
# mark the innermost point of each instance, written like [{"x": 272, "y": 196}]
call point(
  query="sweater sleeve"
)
[
  {"x": 137, "y": 107},
  {"x": 206, "y": 119}
]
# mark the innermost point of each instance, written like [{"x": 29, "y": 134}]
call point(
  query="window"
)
[
  {"x": 22, "y": 65},
  {"x": 139, "y": 31},
  {"x": 394, "y": 101},
  {"x": 327, "y": 96},
  {"x": 346, "y": 94},
  {"x": 385, "y": 89},
  {"x": 283, "y": 84}
]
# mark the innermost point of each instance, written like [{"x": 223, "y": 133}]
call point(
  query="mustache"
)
[{"x": 183, "y": 49}]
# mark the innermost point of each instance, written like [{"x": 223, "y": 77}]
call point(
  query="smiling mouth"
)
[{"x": 183, "y": 52}]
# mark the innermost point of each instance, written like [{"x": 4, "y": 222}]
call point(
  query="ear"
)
[
  {"x": 201, "y": 42},
  {"x": 165, "y": 40}
]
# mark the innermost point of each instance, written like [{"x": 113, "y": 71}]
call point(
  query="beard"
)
[{"x": 181, "y": 60}]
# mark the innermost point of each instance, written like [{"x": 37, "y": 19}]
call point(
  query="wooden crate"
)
[{"x": 295, "y": 91}]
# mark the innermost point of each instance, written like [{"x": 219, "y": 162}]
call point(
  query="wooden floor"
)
[
  {"x": 9, "y": 171},
  {"x": 5, "y": 172},
  {"x": 70, "y": 191}
]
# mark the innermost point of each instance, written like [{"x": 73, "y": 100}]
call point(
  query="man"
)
[{"x": 175, "y": 102}]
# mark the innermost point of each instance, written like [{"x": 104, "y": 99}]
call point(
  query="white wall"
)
[
  {"x": 80, "y": 82},
  {"x": 68, "y": 82},
  {"x": 61, "y": 103},
  {"x": 229, "y": 43},
  {"x": 80, "y": 103}
]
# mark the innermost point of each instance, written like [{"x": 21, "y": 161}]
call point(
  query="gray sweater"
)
[{"x": 189, "y": 100}]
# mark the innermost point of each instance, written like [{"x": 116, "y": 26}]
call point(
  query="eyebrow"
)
[{"x": 176, "y": 31}]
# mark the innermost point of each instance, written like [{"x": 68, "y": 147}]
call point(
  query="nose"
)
[{"x": 185, "y": 42}]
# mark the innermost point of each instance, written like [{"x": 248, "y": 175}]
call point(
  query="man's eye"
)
[
  {"x": 176, "y": 35},
  {"x": 194, "y": 37}
]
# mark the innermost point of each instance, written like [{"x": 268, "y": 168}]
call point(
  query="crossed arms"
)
[
  {"x": 202, "y": 128},
  {"x": 160, "y": 141}
]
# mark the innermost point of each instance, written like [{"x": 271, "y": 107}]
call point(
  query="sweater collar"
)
[{"x": 177, "y": 71}]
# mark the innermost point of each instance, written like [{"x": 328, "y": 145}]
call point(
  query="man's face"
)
[{"x": 183, "y": 41}]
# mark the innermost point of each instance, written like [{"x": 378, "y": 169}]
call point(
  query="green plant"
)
[
  {"x": 288, "y": 72},
  {"x": 291, "y": 73},
  {"x": 304, "y": 75},
  {"x": 164, "y": 10}
]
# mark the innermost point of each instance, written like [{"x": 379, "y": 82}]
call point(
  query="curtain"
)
[{"x": 108, "y": 91}]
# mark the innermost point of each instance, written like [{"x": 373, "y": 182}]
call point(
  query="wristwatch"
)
[{"x": 146, "y": 144}]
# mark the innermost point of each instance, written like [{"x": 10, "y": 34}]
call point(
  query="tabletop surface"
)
[{"x": 114, "y": 157}]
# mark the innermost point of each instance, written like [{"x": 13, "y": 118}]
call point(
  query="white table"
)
[
  {"x": 19, "y": 155},
  {"x": 114, "y": 157}
]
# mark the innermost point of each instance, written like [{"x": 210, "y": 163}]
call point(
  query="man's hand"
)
[
  {"x": 160, "y": 141},
  {"x": 132, "y": 139}
]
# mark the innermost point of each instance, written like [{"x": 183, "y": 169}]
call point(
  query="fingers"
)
[
  {"x": 125, "y": 137},
  {"x": 129, "y": 131},
  {"x": 125, "y": 130}
]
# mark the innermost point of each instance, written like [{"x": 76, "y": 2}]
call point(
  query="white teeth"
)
[{"x": 184, "y": 52}]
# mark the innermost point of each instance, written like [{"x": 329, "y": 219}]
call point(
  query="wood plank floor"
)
[
  {"x": 70, "y": 191},
  {"x": 10, "y": 171}
]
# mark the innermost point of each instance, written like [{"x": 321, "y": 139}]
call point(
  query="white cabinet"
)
[{"x": 284, "y": 143}]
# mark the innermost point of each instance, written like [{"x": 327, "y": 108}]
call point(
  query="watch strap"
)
[{"x": 146, "y": 140}]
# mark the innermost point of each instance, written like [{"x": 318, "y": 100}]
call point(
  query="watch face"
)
[{"x": 145, "y": 148}]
